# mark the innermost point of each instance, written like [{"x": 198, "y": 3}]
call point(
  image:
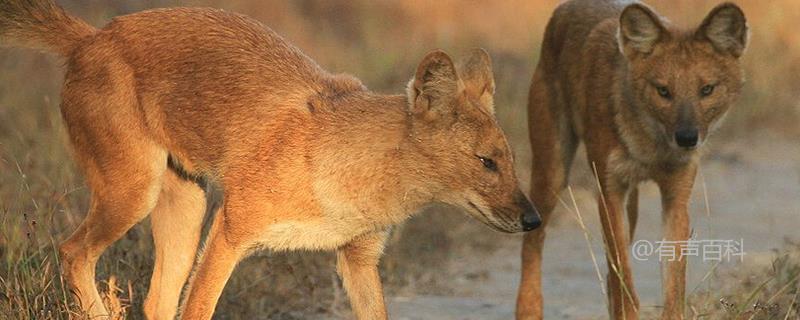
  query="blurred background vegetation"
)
[{"x": 43, "y": 198}]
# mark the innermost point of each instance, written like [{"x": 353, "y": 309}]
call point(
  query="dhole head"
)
[
  {"x": 464, "y": 151},
  {"x": 685, "y": 81}
]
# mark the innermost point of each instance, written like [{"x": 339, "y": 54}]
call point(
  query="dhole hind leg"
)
[
  {"x": 176, "y": 221},
  {"x": 122, "y": 166},
  {"x": 124, "y": 190},
  {"x": 553, "y": 143}
]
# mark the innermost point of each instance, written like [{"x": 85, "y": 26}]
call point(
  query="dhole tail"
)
[{"x": 40, "y": 24}]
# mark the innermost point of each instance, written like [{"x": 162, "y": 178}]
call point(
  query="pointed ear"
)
[
  {"x": 726, "y": 28},
  {"x": 476, "y": 73},
  {"x": 640, "y": 30},
  {"x": 434, "y": 85}
]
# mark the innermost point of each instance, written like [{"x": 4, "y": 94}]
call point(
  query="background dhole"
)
[
  {"x": 643, "y": 96},
  {"x": 305, "y": 159}
]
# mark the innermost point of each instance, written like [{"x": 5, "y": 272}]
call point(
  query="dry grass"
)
[
  {"x": 757, "y": 293},
  {"x": 43, "y": 198}
]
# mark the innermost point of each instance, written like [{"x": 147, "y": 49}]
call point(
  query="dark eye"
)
[
  {"x": 488, "y": 163},
  {"x": 707, "y": 90},
  {"x": 663, "y": 92}
]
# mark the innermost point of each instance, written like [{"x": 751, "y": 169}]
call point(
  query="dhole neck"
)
[
  {"x": 414, "y": 189},
  {"x": 379, "y": 129}
]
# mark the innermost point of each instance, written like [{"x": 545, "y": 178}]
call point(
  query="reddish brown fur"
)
[
  {"x": 598, "y": 80},
  {"x": 306, "y": 159}
]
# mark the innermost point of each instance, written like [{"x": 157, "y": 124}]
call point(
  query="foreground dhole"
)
[
  {"x": 643, "y": 96},
  {"x": 306, "y": 159}
]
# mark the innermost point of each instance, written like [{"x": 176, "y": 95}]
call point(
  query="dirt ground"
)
[{"x": 752, "y": 186}]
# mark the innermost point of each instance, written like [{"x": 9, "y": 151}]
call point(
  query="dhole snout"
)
[
  {"x": 517, "y": 214},
  {"x": 687, "y": 133},
  {"x": 522, "y": 208}
]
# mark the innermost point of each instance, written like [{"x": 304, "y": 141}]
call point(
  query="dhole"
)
[
  {"x": 643, "y": 96},
  {"x": 307, "y": 160}
]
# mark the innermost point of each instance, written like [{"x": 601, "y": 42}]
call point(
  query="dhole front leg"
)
[
  {"x": 357, "y": 264},
  {"x": 213, "y": 271},
  {"x": 676, "y": 191},
  {"x": 553, "y": 146},
  {"x": 622, "y": 298}
]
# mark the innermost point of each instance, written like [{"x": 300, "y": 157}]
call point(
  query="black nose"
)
[
  {"x": 530, "y": 217},
  {"x": 686, "y": 138},
  {"x": 531, "y": 220}
]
